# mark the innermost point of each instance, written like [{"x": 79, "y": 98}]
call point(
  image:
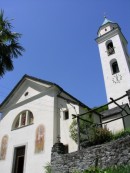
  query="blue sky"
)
[{"x": 59, "y": 38}]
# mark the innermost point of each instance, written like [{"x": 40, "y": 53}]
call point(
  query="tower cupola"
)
[{"x": 107, "y": 26}]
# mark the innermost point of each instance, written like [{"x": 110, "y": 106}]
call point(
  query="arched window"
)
[
  {"x": 110, "y": 47},
  {"x": 23, "y": 119},
  {"x": 114, "y": 66}
]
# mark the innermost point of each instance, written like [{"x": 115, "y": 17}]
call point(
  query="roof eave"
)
[{"x": 38, "y": 80}]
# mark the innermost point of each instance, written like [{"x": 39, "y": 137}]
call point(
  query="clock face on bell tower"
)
[{"x": 117, "y": 78}]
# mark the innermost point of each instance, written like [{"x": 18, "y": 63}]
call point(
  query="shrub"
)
[
  {"x": 101, "y": 109},
  {"x": 101, "y": 135},
  {"x": 73, "y": 130},
  {"x": 47, "y": 168},
  {"x": 121, "y": 133}
]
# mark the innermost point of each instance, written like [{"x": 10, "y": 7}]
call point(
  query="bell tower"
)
[{"x": 115, "y": 60}]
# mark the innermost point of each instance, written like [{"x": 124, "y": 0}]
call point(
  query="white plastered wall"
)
[
  {"x": 114, "y": 126},
  {"x": 104, "y": 30},
  {"x": 115, "y": 90},
  {"x": 65, "y": 124},
  {"x": 43, "y": 110}
]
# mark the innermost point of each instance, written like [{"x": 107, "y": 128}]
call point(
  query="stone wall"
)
[{"x": 109, "y": 154}]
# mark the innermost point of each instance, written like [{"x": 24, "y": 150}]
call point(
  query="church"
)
[
  {"x": 34, "y": 115},
  {"x": 37, "y": 113}
]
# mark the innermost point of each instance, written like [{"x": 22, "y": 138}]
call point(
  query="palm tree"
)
[{"x": 9, "y": 45}]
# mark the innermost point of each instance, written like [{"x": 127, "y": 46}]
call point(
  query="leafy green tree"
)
[
  {"x": 84, "y": 126},
  {"x": 90, "y": 134},
  {"x": 10, "y": 47}
]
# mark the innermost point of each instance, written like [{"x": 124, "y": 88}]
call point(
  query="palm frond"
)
[{"x": 9, "y": 45}]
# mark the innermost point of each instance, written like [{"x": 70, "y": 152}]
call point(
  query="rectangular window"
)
[{"x": 66, "y": 115}]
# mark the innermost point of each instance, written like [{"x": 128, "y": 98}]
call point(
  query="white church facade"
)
[
  {"x": 34, "y": 114},
  {"x": 37, "y": 112}
]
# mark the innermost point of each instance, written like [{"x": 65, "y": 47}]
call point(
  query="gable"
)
[
  {"x": 26, "y": 90},
  {"x": 30, "y": 89}
]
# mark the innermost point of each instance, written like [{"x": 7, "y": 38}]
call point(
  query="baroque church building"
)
[
  {"x": 37, "y": 113},
  {"x": 34, "y": 115}
]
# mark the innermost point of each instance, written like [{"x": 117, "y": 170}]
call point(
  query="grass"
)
[
  {"x": 115, "y": 169},
  {"x": 121, "y": 134},
  {"x": 118, "y": 169}
]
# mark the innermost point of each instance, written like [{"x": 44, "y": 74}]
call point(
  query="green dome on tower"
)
[{"x": 106, "y": 21}]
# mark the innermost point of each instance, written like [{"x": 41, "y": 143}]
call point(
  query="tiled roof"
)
[{"x": 113, "y": 111}]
